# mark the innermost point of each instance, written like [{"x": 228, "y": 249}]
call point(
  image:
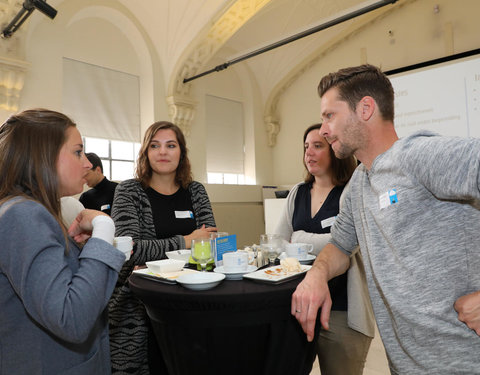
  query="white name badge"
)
[
  {"x": 184, "y": 214},
  {"x": 328, "y": 222},
  {"x": 388, "y": 198},
  {"x": 104, "y": 207}
]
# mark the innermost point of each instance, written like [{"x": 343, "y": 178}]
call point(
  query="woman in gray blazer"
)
[{"x": 54, "y": 293}]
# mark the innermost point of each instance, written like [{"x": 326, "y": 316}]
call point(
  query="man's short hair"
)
[
  {"x": 95, "y": 160},
  {"x": 358, "y": 81}
]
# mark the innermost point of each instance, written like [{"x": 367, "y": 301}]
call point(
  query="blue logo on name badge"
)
[{"x": 392, "y": 195}]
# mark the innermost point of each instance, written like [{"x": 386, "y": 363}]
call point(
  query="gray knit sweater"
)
[{"x": 414, "y": 215}]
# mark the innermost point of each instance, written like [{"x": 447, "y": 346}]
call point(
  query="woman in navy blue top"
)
[{"x": 310, "y": 212}]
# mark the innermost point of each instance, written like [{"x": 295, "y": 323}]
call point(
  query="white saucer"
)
[
  {"x": 234, "y": 275},
  {"x": 200, "y": 280},
  {"x": 308, "y": 260}
]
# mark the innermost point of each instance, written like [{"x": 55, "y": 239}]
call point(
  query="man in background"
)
[{"x": 100, "y": 196}]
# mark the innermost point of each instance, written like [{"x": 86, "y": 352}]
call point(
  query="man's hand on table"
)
[
  {"x": 311, "y": 294},
  {"x": 468, "y": 309}
]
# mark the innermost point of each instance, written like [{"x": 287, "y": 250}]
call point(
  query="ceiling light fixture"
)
[{"x": 27, "y": 8}]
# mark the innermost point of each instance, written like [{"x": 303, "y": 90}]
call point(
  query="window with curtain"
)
[
  {"x": 225, "y": 140},
  {"x": 105, "y": 104}
]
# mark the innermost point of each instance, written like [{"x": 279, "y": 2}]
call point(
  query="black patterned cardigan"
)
[{"x": 132, "y": 214}]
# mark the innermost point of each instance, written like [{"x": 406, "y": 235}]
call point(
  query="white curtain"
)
[
  {"x": 104, "y": 103},
  {"x": 225, "y": 135}
]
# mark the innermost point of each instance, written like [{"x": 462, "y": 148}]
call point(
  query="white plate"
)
[
  {"x": 275, "y": 274},
  {"x": 309, "y": 259},
  {"x": 234, "y": 275},
  {"x": 200, "y": 280}
]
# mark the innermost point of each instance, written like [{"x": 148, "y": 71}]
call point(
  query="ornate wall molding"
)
[
  {"x": 272, "y": 126},
  {"x": 203, "y": 48},
  {"x": 12, "y": 67},
  {"x": 181, "y": 111},
  {"x": 12, "y": 79}
]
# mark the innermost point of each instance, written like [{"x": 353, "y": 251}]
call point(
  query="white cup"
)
[
  {"x": 251, "y": 256},
  {"x": 124, "y": 244},
  {"x": 235, "y": 261},
  {"x": 298, "y": 250}
]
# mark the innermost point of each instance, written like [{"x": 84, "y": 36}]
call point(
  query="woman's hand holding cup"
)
[{"x": 81, "y": 228}]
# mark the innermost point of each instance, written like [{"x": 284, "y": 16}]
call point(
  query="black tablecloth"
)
[{"x": 238, "y": 327}]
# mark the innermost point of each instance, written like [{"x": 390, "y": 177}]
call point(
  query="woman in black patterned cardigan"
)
[{"x": 162, "y": 209}]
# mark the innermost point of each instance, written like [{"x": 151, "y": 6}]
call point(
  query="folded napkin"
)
[{"x": 172, "y": 275}]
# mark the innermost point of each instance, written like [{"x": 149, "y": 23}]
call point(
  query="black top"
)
[
  {"x": 302, "y": 220},
  {"x": 172, "y": 214},
  {"x": 100, "y": 197}
]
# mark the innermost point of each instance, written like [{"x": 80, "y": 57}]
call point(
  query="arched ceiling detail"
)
[
  {"x": 199, "y": 52},
  {"x": 208, "y": 42}
]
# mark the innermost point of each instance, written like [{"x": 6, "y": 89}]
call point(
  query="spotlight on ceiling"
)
[{"x": 27, "y": 8}]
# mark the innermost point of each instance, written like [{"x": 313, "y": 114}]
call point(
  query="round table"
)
[{"x": 238, "y": 327}]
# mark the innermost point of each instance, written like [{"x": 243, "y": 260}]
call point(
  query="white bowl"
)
[
  {"x": 165, "y": 265},
  {"x": 179, "y": 255},
  {"x": 200, "y": 280}
]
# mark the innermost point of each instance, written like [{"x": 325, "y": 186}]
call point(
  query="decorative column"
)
[
  {"x": 12, "y": 67},
  {"x": 181, "y": 111},
  {"x": 12, "y": 79},
  {"x": 272, "y": 125}
]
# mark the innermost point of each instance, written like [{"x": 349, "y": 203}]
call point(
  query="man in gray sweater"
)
[{"x": 413, "y": 207}]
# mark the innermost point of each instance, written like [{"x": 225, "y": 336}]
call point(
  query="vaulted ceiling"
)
[{"x": 188, "y": 33}]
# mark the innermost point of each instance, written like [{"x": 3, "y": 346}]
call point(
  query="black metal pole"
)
[{"x": 292, "y": 38}]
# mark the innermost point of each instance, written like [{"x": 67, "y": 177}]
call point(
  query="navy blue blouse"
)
[{"x": 303, "y": 220}]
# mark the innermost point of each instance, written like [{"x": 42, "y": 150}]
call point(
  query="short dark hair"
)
[
  {"x": 95, "y": 160},
  {"x": 342, "y": 169},
  {"x": 356, "y": 82}
]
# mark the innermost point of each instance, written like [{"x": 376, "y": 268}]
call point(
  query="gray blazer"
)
[{"x": 52, "y": 316}]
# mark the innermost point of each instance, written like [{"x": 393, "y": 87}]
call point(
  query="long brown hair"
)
[
  {"x": 143, "y": 172},
  {"x": 30, "y": 143},
  {"x": 342, "y": 169}
]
